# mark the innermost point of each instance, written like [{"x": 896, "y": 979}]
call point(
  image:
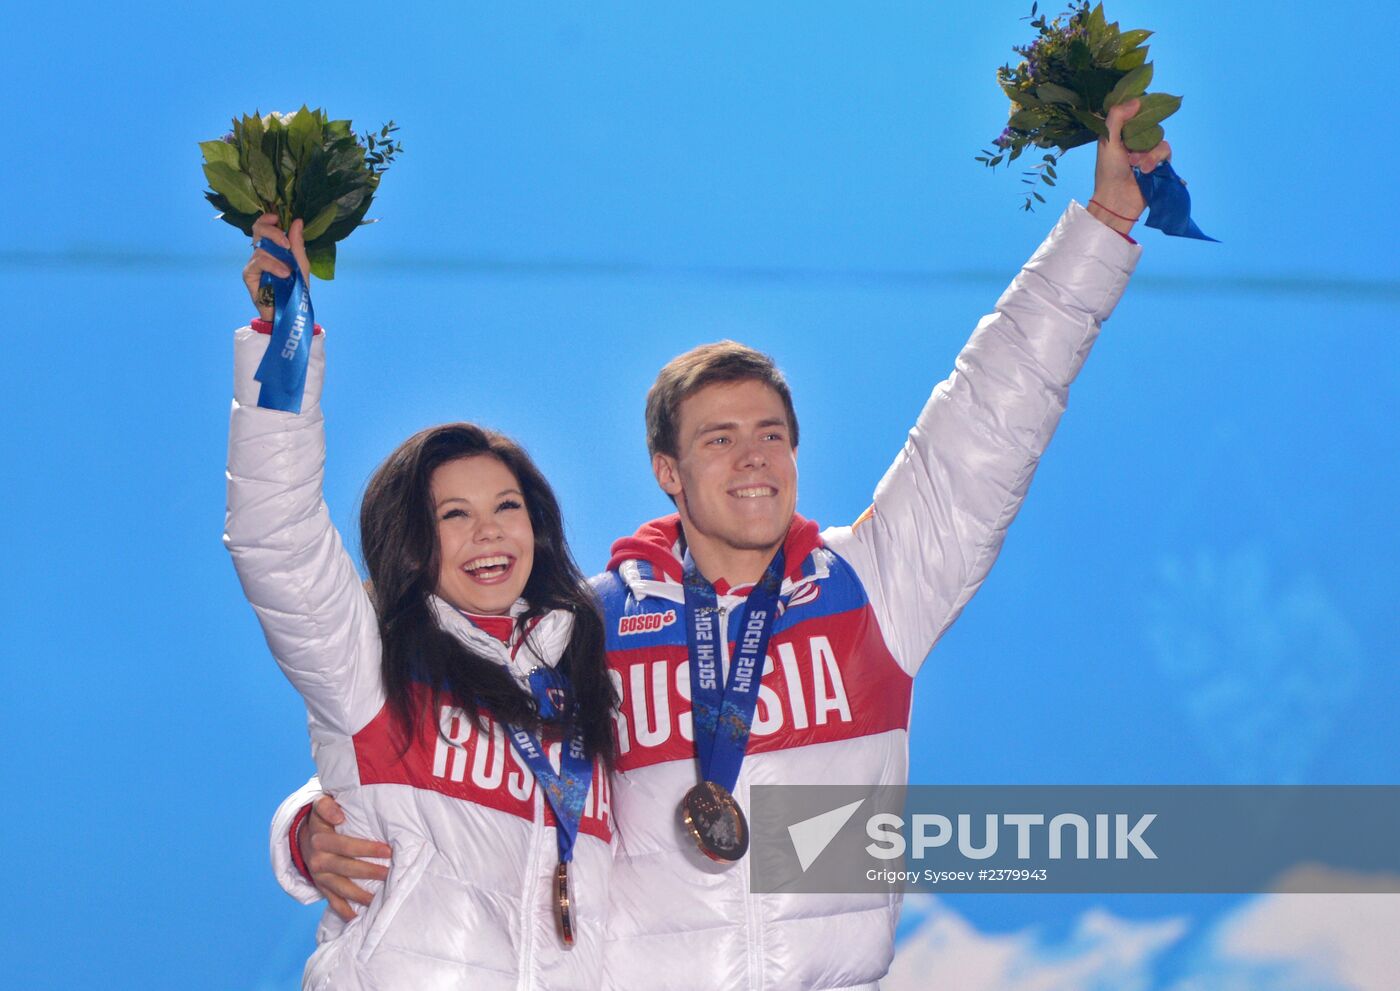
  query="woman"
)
[{"x": 435, "y": 690}]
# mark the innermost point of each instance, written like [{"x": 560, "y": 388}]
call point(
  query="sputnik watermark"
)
[
  {"x": 930, "y": 831},
  {"x": 1076, "y": 839}
]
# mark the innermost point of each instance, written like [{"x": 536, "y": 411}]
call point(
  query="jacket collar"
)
[
  {"x": 649, "y": 561},
  {"x": 543, "y": 644}
]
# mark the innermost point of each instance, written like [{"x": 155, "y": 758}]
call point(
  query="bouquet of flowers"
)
[
  {"x": 299, "y": 165},
  {"x": 1068, "y": 78}
]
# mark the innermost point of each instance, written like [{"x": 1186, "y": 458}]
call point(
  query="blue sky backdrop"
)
[{"x": 1201, "y": 587}]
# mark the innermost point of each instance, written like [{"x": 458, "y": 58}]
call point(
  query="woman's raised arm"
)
[{"x": 296, "y": 573}]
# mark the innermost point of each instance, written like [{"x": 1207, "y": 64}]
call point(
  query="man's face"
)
[{"x": 734, "y": 477}]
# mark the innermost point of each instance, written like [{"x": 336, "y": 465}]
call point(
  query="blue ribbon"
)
[
  {"x": 1168, "y": 203},
  {"x": 566, "y": 790},
  {"x": 722, "y": 716},
  {"x": 283, "y": 368}
]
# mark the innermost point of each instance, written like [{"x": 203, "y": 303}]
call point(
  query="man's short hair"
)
[{"x": 683, "y": 376}]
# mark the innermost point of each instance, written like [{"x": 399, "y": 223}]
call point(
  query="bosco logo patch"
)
[{"x": 647, "y": 622}]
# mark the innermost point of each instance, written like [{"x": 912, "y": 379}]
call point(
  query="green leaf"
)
[
  {"x": 1107, "y": 44},
  {"x": 1050, "y": 171},
  {"x": 219, "y": 151},
  {"x": 1016, "y": 152},
  {"x": 313, "y": 188},
  {"x": 1084, "y": 137},
  {"x": 1094, "y": 85},
  {"x": 1019, "y": 97},
  {"x": 234, "y": 185},
  {"x": 1078, "y": 55},
  {"x": 317, "y": 227},
  {"x": 1039, "y": 197},
  {"x": 272, "y": 144},
  {"x": 322, "y": 258},
  {"x": 243, "y": 221},
  {"x": 1131, "y": 39},
  {"x": 1130, "y": 60},
  {"x": 351, "y": 200},
  {"x": 251, "y": 138},
  {"x": 1155, "y": 108},
  {"x": 287, "y": 160},
  {"x": 346, "y": 156},
  {"x": 348, "y": 218},
  {"x": 264, "y": 176},
  {"x": 1092, "y": 122},
  {"x": 1142, "y": 138},
  {"x": 1053, "y": 93},
  {"x": 315, "y": 169},
  {"x": 304, "y": 134},
  {"x": 1130, "y": 87},
  {"x": 1098, "y": 27},
  {"x": 1027, "y": 119}
]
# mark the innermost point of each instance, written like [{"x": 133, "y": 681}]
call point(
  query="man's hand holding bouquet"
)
[{"x": 1082, "y": 80}]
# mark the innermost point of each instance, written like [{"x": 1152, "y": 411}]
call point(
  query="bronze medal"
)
[
  {"x": 564, "y": 905},
  {"x": 716, "y": 822},
  {"x": 267, "y": 296}
]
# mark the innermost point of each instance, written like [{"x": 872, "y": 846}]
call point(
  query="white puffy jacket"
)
[
  {"x": 467, "y": 905},
  {"x": 865, "y": 605}
]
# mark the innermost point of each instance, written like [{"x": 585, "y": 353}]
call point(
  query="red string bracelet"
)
[{"x": 1131, "y": 220}]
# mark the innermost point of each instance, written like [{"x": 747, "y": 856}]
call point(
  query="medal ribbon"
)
[
  {"x": 1168, "y": 203},
  {"x": 566, "y": 789},
  {"x": 283, "y": 368},
  {"x": 722, "y": 715}
]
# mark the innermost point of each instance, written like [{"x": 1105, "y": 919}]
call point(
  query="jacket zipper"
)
[{"x": 527, "y": 901}]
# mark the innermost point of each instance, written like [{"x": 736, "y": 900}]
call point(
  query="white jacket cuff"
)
[
  {"x": 279, "y": 844},
  {"x": 248, "y": 349}
]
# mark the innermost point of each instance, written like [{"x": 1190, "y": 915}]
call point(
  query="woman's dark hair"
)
[{"x": 398, "y": 535}]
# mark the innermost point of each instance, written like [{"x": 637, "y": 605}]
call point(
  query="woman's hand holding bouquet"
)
[{"x": 266, "y": 228}]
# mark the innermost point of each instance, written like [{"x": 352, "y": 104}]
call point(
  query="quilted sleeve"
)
[
  {"x": 302, "y": 584},
  {"x": 941, "y": 512}
]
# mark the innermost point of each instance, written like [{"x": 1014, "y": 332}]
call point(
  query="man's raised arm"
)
[{"x": 941, "y": 512}]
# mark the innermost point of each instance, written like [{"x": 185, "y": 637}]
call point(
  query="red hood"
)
[{"x": 654, "y": 542}]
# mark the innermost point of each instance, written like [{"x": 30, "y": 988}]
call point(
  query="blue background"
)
[{"x": 1201, "y": 587}]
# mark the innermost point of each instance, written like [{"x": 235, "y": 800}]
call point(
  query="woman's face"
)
[{"x": 486, "y": 545}]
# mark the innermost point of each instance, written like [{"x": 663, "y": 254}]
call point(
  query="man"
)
[{"x": 858, "y": 608}]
